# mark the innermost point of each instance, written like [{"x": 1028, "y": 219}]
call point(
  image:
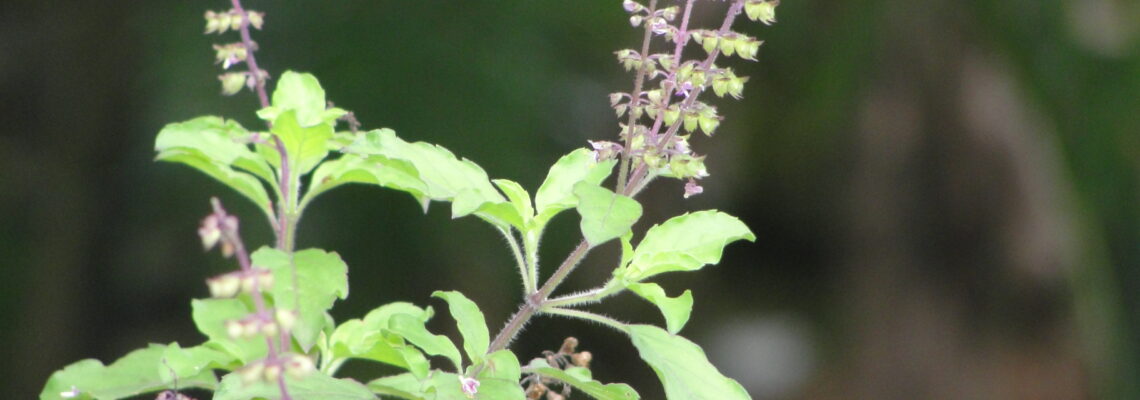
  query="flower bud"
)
[
  {"x": 635, "y": 20},
  {"x": 285, "y": 318},
  {"x": 224, "y": 286},
  {"x": 209, "y": 232},
  {"x": 582, "y": 359},
  {"x": 470, "y": 386},
  {"x": 763, "y": 11},
  {"x": 256, "y": 19},
  {"x": 568, "y": 345},
  {"x": 268, "y": 328},
  {"x": 298, "y": 366},
  {"x": 231, "y": 84},
  {"x": 535, "y": 391},
  {"x": 252, "y": 373},
  {"x": 632, "y": 6},
  {"x": 272, "y": 372},
  {"x": 235, "y": 329}
]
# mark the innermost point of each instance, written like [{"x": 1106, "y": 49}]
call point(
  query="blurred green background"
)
[{"x": 944, "y": 191}]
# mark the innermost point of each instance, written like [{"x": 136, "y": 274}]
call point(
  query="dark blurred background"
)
[{"x": 944, "y": 191}]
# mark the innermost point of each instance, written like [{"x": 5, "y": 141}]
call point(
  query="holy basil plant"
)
[{"x": 268, "y": 333}]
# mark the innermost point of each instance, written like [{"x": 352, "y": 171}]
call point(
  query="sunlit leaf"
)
[
  {"x": 181, "y": 362},
  {"x": 376, "y": 170},
  {"x": 305, "y": 145},
  {"x": 685, "y": 243},
  {"x": 446, "y": 386},
  {"x": 366, "y": 339},
  {"x": 132, "y": 375},
  {"x": 605, "y": 214},
  {"x": 301, "y": 93},
  {"x": 557, "y": 191},
  {"x": 682, "y": 366},
  {"x": 404, "y": 386},
  {"x": 675, "y": 309}
]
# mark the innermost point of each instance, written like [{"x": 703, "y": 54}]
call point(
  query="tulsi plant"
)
[{"x": 269, "y": 334}]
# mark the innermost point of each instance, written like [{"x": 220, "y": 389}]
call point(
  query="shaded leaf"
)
[
  {"x": 404, "y": 386},
  {"x": 210, "y": 316},
  {"x": 312, "y": 386},
  {"x": 581, "y": 380},
  {"x": 414, "y": 331},
  {"x": 472, "y": 325},
  {"x": 321, "y": 278}
]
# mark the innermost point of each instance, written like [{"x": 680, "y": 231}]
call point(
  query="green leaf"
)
[
  {"x": 193, "y": 361},
  {"x": 216, "y": 139},
  {"x": 557, "y": 191},
  {"x": 519, "y": 198},
  {"x": 210, "y": 316},
  {"x": 502, "y": 364},
  {"x": 445, "y": 177},
  {"x": 306, "y": 145},
  {"x": 581, "y": 379},
  {"x": 321, "y": 278},
  {"x": 366, "y": 339},
  {"x": 605, "y": 214},
  {"x": 376, "y": 170},
  {"x": 413, "y": 329},
  {"x": 301, "y": 93},
  {"x": 132, "y": 375},
  {"x": 675, "y": 309},
  {"x": 313, "y": 386},
  {"x": 404, "y": 386},
  {"x": 472, "y": 325},
  {"x": 685, "y": 243},
  {"x": 214, "y": 147},
  {"x": 682, "y": 366}
]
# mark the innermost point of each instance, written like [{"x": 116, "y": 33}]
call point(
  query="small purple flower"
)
[
  {"x": 692, "y": 188},
  {"x": 685, "y": 88},
  {"x": 470, "y": 386}
]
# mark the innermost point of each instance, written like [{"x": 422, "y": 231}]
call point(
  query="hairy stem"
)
[
  {"x": 524, "y": 271},
  {"x": 602, "y": 319}
]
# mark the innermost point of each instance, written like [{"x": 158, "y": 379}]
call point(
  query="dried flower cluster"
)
[{"x": 231, "y": 54}]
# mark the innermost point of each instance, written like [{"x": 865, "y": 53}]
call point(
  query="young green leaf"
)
[
  {"x": 301, "y": 93},
  {"x": 519, "y": 198},
  {"x": 306, "y": 145},
  {"x": 581, "y": 379},
  {"x": 210, "y": 316},
  {"x": 132, "y": 375},
  {"x": 685, "y": 243},
  {"x": 320, "y": 278},
  {"x": 445, "y": 177},
  {"x": 413, "y": 329},
  {"x": 557, "y": 191},
  {"x": 471, "y": 324},
  {"x": 682, "y": 366},
  {"x": 675, "y": 309},
  {"x": 312, "y": 386},
  {"x": 605, "y": 214}
]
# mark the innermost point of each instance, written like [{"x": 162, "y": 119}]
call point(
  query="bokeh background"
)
[{"x": 945, "y": 192}]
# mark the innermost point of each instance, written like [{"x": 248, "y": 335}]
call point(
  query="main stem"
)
[
  {"x": 285, "y": 227},
  {"x": 634, "y": 101}
]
